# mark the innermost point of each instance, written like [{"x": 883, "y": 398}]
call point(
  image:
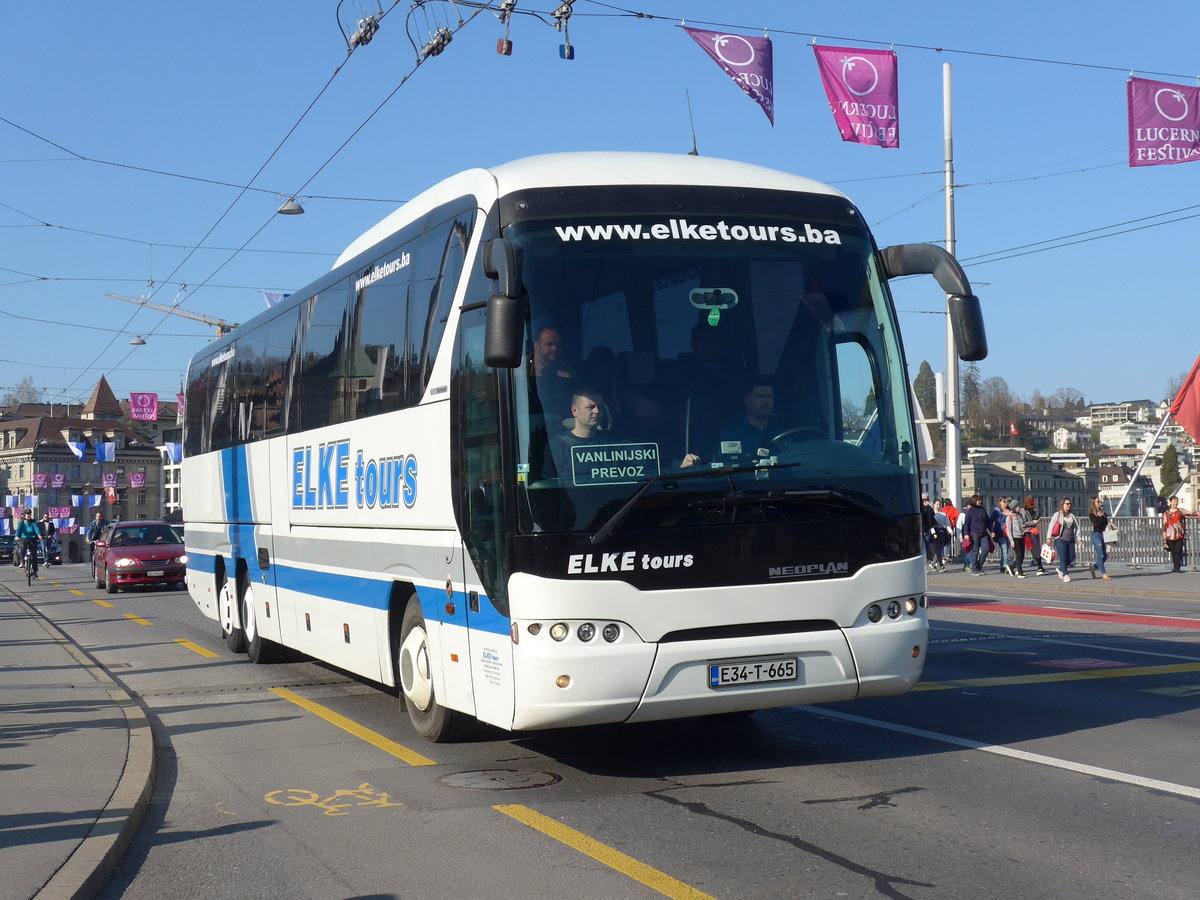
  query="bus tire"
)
[
  {"x": 260, "y": 650},
  {"x": 235, "y": 638},
  {"x": 429, "y": 718}
]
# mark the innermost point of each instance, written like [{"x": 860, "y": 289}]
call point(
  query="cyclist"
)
[
  {"x": 93, "y": 533},
  {"x": 28, "y": 537}
]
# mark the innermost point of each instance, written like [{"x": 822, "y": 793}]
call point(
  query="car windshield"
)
[
  {"x": 752, "y": 356},
  {"x": 145, "y": 534}
]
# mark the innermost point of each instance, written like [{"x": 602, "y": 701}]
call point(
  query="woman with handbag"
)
[
  {"x": 1099, "y": 525},
  {"x": 1029, "y": 523},
  {"x": 1174, "y": 534},
  {"x": 1063, "y": 529}
]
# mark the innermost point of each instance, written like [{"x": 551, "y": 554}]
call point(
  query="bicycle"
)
[{"x": 29, "y": 563}]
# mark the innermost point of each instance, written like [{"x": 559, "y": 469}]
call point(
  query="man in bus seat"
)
[
  {"x": 587, "y": 413},
  {"x": 706, "y": 359},
  {"x": 754, "y": 432}
]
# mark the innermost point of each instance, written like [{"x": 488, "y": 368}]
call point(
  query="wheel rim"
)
[
  {"x": 414, "y": 669},
  {"x": 249, "y": 624},
  {"x": 226, "y": 609}
]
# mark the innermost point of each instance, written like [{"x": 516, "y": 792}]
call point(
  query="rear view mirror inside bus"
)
[{"x": 713, "y": 298}]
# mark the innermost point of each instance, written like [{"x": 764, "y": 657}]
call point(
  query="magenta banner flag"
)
[
  {"x": 137, "y": 479},
  {"x": 143, "y": 407},
  {"x": 863, "y": 93},
  {"x": 747, "y": 60},
  {"x": 58, "y": 479},
  {"x": 41, "y": 479},
  {"x": 109, "y": 479},
  {"x": 1164, "y": 123}
]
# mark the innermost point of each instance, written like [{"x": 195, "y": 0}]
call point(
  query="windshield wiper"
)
[{"x": 616, "y": 519}]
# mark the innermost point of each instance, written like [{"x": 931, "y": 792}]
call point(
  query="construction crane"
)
[{"x": 223, "y": 327}]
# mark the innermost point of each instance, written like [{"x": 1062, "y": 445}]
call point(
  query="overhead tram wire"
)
[
  {"x": 241, "y": 193},
  {"x": 417, "y": 65},
  {"x": 623, "y": 12},
  {"x": 79, "y": 157}
]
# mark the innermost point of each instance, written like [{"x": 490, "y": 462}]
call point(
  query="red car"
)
[{"x": 142, "y": 552}]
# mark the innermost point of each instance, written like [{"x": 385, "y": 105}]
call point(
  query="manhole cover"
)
[{"x": 499, "y": 780}]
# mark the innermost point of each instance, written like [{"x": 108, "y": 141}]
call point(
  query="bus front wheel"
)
[{"x": 429, "y": 718}]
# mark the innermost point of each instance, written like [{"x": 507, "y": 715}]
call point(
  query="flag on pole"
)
[
  {"x": 174, "y": 452},
  {"x": 747, "y": 60},
  {"x": 105, "y": 451},
  {"x": 94, "y": 500},
  {"x": 273, "y": 297},
  {"x": 863, "y": 93},
  {"x": 1164, "y": 122},
  {"x": 1186, "y": 408},
  {"x": 1012, "y": 428},
  {"x": 79, "y": 448}
]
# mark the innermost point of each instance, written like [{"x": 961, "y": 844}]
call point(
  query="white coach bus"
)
[{"x": 581, "y": 438}]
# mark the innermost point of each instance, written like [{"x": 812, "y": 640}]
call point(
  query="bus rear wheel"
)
[
  {"x": 230, "y": 618},
  {"x": 429, "y": 718}
]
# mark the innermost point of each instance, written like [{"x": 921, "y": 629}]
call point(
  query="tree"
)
[
  {"x": 1068, "y": 398},
  {"x": 1175, "y": 383},
  {"x": 1168, "y": 471},
  {"x": 924, "y": 386},
  {"x": 970, "y": 413},
  {"x": 997, "y": 407},
  {"x": 24, "y": 392}
]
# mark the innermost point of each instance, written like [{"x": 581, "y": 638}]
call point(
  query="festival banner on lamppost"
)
[{"x": 863, "y": 93}]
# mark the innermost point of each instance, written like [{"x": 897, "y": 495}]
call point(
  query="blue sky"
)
[{"x": 210, "y": 90}]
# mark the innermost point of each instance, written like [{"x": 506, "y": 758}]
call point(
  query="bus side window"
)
[{"x": 325, "y": 370}]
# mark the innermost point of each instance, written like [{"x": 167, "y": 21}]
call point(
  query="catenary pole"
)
[{"x": 953, "y": 429}]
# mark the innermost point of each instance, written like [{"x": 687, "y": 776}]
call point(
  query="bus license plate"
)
[
  {"x": 757, "y": 672},
  {"x": 157, "y": 573}
]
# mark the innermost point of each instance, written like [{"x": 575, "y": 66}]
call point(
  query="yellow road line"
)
[
  {"x": 614, "y": 859},
  {"x": 196, "y": 648},
  {"x": 77, "y": 593},
  {"x": 1049, "y": 677},
  {"x": 134, "y": 618},
  {"x": 359, "y": 731},
  {"x": 104, "y": 603}
]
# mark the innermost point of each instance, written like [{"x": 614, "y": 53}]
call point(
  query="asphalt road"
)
[{"x": 1049, "y": 752}]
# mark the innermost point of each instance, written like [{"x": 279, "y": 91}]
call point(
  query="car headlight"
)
[
  {"x": 125, "y": 561},
  {"x": 182, "y": 560}
]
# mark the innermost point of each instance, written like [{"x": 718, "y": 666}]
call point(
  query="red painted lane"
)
[{"x": 1053, "y": 612}]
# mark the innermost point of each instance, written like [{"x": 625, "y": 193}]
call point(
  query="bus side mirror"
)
[
  {"x": 966, "y": 314},
  {"x": 506, "y": 310},
  {"x": 503, "y": 333}
]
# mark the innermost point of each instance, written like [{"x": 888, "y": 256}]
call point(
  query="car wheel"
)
[{"x": 109, "y": 586}]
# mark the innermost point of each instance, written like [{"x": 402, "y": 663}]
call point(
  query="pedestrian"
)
[
  {"x": 1099, "y": 525},
  {"x": 997, "y": 531},
  {"x": 1063, "y": 530},
  {"x": 944, "y": 531},
  {"x": 953, "y": 516},
  {"x": 1174, "y": 533},
  {"x": 48, "y": 529},
  {"x": 975, "y": 529},
  {"x": 1033, "y": 533},
  {"x": 1014, "y": 526},
  {"x": 929, "y": 533}
]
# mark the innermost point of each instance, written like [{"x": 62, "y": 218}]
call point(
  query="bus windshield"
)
[{"x": 748, "y": 367}]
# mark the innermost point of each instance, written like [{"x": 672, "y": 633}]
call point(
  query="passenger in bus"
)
[
  {"x": 545, "y": 361},
  {"x": 708, "y": 357}
]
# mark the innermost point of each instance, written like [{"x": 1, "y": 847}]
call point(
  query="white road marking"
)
[{"x": 1153, "y": 784}]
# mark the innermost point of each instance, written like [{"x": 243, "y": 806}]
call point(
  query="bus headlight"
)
[
  {"x": 586, "y": 632},
  {"x": 894, "y": 609},
  {"x": 559, "y": 631},
  {"x": 611, "y": 632},
  {"x": 910, "y": 606},
  {"x": 874, "y": 612}
]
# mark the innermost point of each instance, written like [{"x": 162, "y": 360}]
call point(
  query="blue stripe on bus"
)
[{"x": 373, "y": 593}]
